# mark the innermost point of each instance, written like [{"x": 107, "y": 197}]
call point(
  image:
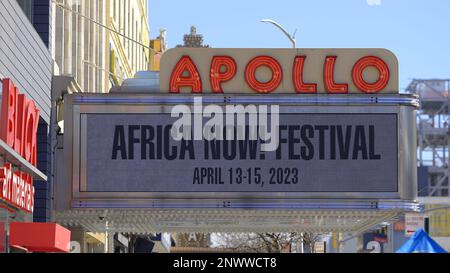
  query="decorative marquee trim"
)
[{"x": 144, "y": 221}]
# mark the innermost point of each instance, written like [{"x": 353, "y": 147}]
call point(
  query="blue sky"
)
[{"x": 417, "y": 31}]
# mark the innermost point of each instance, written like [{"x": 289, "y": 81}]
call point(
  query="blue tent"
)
[{"x": 420, "y": 242}]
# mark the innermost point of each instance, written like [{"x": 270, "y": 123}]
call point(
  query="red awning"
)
[{"x": 39, "y": 237}]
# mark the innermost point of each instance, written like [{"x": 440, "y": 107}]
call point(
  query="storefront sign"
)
[
  {"x": 16, "y": 188},
  {"x": 18, "y": 129},
  {"x": 300, "y": 71},
  {"x": 19, "y": 122}
]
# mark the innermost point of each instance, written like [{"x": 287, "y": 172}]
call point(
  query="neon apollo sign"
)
[
  {"x": 302, "y": 71},
  {"x": 223, "y": 69}
]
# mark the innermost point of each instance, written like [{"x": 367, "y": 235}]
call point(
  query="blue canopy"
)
[{"x": 420, "y": 242}]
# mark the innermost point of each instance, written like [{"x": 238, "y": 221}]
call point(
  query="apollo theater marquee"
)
[{"x": 343, "y": 157}]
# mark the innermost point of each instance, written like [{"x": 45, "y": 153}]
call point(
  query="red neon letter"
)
[
  {"x": 216, "y": 76},
  {"x": 30, "y": 132},
  {"x": 297, "y": 77},
  {"x": 5, "y": 177},
  {"x": 328, "y": 78},
  {"x": 8, "y": 116},
  {"x": 20, "y": 116},
  {"x": 380, "y": 83},
  {"x": 177, "y": 79},
  {"x": 263, "y": 87}
]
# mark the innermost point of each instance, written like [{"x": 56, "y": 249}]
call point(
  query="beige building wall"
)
[
  {"x": 91, "y": 51},
  {"x": 158, "y": 46},
  {"x": 129, "y": 17}
]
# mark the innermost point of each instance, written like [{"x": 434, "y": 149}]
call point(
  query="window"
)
[
  {"x": 114, "y": 8},
  {"x": 119, "y": 23},
  {"x": 135, "y": 52},
  {"x": 27, "y": 7},
  {"x": 133, "y": 63},
  {"x": 128, "y": 22}
]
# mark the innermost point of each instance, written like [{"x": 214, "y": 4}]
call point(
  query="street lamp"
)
[{"x": 291, "y": 38}]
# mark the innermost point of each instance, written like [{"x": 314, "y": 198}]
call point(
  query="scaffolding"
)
[{"x": 433, "y": 125}]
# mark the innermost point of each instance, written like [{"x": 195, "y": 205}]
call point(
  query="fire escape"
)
[{"x": 433, "y": 136}]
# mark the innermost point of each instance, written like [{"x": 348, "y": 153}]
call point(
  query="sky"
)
[{"x": 417, "y": 31}]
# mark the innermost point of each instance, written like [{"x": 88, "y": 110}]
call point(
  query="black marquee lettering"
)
[
  {"x": 132, "y": 140},
  {"x": 167, "y": 152},
  {"x": 321, "y": 129},
  {"x": 307, "y": 150},
  {"x": 147, "y": 135},
  {"x": 344, "y": 142},
  {"x": 250, "y": 146},
  {"x": 187, "y": 146},
  {"x": 159, "y": 140},
  {"x": 292, "y": 141},
  {"x": 119, "y": 144},
  {"x": 332, "y": 142},
  {"x": 372, "y": 154},
  {"x": 212, "y": 147},
  {"x": 229, "y": 149},
  {"x": 360, "y": 142},
  {"x": 196, "y": 179}
]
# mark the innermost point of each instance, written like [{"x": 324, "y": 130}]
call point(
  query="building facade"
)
[
  {"x": 100, "y": 42},
  {"x": 81, "y": 45},
  {"x": 125, "y": 56},
  {"x": 433, "y": 146},
  {"x": 39, "y": 14},
  {"x": 26, "y": 63},
  {"x": 158, "y": 46}
]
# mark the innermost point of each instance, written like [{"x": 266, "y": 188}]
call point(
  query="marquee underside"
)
[{"x": 142, "y": 221}]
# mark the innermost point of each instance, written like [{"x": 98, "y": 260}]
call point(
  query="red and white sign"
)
[
  {"x": 301, "y": 71},
  {"x": 17, "y": 188},
  {"x": 19, "y": 122},
  {"x": 413, "y": 222},
  {"x": 18, "y": 129}
]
